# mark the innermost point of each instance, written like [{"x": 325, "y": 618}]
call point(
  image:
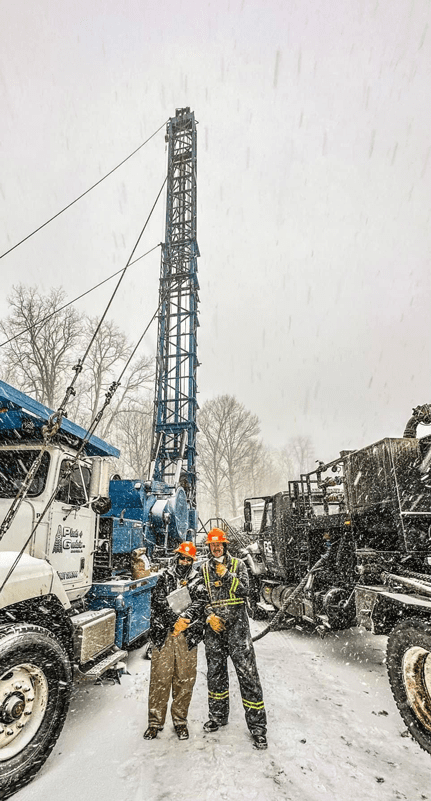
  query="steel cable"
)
[{"x": 82, "y": 195}]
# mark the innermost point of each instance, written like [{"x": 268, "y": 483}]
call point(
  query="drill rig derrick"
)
[{"x": 173, "y": 452}]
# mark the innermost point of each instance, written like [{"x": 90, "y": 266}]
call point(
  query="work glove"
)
[
  {"x": 180, "y": 626},
  {"x": 215, "y": 622},
  {"x": 220, "y": 569}
]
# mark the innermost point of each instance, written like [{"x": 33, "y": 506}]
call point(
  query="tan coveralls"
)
[
  {"x": 173, "y": 666},
  {"x": 174, "y": 659}
]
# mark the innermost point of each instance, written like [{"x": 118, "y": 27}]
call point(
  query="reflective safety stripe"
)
[
  {"x": 218, "y": 696},
  {"x": 252, "y": 704},
  {"x": 227, "y": 602},
  {"x": 206, "y": 576},
  {"x": 232, "y": 600},
  {"x": 235, "y": 581}
]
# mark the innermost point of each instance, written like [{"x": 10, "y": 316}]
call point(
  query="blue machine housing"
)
[
  {"x": 132, "y": 603},
  {"x": 146, "y": 514}
]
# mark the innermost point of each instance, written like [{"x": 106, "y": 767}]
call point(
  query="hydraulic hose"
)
[
  {"x": 292, "y": 597},
  {"x": 421, "y": 414}
]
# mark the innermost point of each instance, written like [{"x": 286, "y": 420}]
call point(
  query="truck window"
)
[
  {"x": 267, "y": 523},
  {"x": 257, "y": 514},
  {"x": 73, "y": 486},
  {"x": 14, "y": 466}
]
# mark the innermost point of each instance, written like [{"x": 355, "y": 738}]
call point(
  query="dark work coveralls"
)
[{"x": 227, "y": 600}]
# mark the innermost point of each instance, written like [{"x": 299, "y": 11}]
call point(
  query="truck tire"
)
[
  {"x": 409, "y": 670},
  {"x": 35, "y": 686}
]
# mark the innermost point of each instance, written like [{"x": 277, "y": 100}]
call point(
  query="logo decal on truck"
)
[
  {"x": 68, "y": 539},
  {"x": 267, "y": 547}
]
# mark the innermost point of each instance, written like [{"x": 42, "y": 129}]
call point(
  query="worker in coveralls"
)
[
  {"x": 227, "y": 633},
  {"x": 175, "y": 638}
]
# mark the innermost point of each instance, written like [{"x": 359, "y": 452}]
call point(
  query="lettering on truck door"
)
[{"x": 72, "y": 526}]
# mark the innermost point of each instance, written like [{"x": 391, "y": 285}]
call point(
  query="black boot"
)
[
  {"x": 182, "y": 731},
  {"x": 211, "y": 725},
  {"x": 151, "y": 733},
  {"x": 260, "y": 741}
]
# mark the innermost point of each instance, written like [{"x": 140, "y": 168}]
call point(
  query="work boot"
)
[
  {"x": 182, "y": 731},
  {"x": 211, "y": 725},
  {"x": 151, "y": 733},
  {"x": 260, "y": 741}
]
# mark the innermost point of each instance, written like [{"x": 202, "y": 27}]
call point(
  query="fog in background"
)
[{"x": 313, "y": 190}]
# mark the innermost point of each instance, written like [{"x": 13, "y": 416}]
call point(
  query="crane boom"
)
[{"x": 173, "y": 453}]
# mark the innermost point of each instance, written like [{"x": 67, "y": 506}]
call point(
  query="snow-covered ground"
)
[{"x": 334, "y": 735}]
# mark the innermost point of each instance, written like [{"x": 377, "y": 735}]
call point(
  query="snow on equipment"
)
[
  {"x": 79, "y": 552},
  {"x": 350, "y": 544}
]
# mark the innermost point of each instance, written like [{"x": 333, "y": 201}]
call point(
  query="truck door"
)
[{"x": 71, "y": 530}]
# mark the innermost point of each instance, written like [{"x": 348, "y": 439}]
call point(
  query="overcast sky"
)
[{"x": 314, "y": 189}]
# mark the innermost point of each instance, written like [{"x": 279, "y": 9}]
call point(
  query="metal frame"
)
[{"x": 174, "y": 431}]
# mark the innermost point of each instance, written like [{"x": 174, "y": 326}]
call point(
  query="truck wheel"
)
[
  {"x": 409, "y": 669},
  {"x": 35, "y": 685}
]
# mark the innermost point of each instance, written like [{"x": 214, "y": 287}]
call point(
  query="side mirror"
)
[
  {"x": 247, "y": 516},
  {"x": 99, "y": 483}
]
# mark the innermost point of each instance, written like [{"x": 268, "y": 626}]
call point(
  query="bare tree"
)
[
  {"x": 239, "y": 442},
  {"x": 252, "y": 472},
  {"x": 105, "y": 362},
  {"x": 285, "y": 465},
  {"x": 262, "y": 473},
  {"x": 302, "y": 454},
  {"x": 228, "y": 437},
  {"x": 134, "y": 429},
  {"x": 45, "y": 344},
  {"x": 37, "y": 360},
  {"x": 212, "y": 474},
  {"x": 235, "y": 464}
]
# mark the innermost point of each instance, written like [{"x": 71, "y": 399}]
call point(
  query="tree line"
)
[{"x": 43, "y": 338}]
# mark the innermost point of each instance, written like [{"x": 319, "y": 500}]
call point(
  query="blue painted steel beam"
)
[
  {"x": 175, "y": 395},
  {"x": 16, "y": 407}
]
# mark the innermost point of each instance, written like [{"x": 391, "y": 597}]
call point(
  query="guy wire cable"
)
[
  {"x": 70, "y": 302},
  {"x": 78, "y": 368},
  {"x": 83, "y": 193}
]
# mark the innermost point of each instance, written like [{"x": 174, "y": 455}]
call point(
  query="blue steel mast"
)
[{"x": 173, "y": 452}]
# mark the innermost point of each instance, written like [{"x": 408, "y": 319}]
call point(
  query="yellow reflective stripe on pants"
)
[{"x": 252, "y": 704}]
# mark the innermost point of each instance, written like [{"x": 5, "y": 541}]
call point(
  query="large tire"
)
[
  {"x": 35, "y": 686},
  {"x": 409, "y": 669}
]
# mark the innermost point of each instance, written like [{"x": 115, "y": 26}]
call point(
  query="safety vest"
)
[{"x": 232, "y": 600}]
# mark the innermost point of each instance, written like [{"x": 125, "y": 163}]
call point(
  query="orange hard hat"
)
[
  {"x": 216, "y": 535},
  {"x": 187, "y": 549}
]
